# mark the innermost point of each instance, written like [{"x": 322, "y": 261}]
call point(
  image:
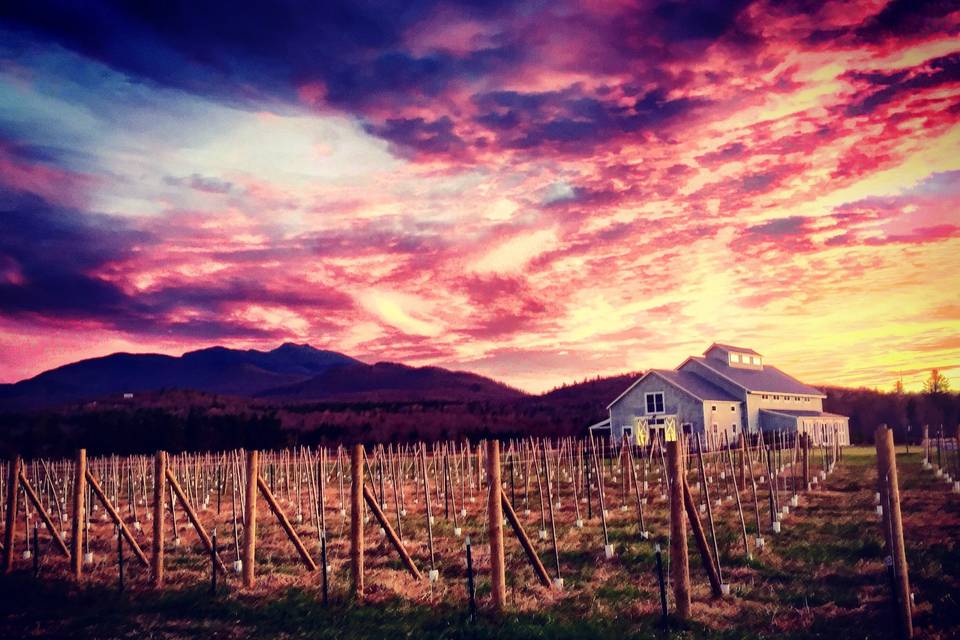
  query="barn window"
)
[
  {"x": 655, "y": 402},
  {"x": 713, "y": 408},
  {"x": 733, "y": 408}
]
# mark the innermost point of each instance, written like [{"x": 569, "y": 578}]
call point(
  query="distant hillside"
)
[
  {"x": 598, "y": 389},
  {"x": 347, "y": 403},
  {"x": 391, "y": 382},
  {"x": 214, "y": 370}
]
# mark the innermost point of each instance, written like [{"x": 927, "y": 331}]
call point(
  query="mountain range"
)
[
  {"x": 219, "y": 398},
  {"x": 289, "y": 373}
]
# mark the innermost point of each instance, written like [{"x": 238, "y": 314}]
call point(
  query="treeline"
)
[
  {"x": 905, "y": 413},
  {"x": 141, "y": 430},
  {"x": 219, "y": 424}
]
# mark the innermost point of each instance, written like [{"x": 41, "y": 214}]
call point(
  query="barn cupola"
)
[{"x": 737, "y": 357}]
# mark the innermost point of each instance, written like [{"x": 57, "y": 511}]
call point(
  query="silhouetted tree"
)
[{"x": 936, "y": 383}]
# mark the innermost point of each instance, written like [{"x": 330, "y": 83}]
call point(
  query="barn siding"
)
[
  {"x": 755, "y": 402},
  {"x": 675, "y": 401}
]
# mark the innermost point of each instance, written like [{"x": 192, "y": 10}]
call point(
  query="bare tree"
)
[{"x": 936, "y": 383}]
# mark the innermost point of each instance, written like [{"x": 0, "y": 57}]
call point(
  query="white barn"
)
[{"x": 728, "y": 391}]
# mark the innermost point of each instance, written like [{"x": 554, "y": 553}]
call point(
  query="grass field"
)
[{"x": 823, "y": 576}]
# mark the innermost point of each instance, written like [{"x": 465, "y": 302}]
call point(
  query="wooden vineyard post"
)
[
  {"x": 805, "y": 447},
  {"x": 743, "y": 462},
  {"x": 736, "y": 493},
  {"x": 887, "y": 470},
  {"x": 79, "y": 508},
  {"x": 250, "y": 520},
  {"x": 495, "y": 526},
  {"x": 11, "y": 522},
  {"x": 159, "y": 498},
  {"x": 679, "y": 561},
  {"x": 356, "y": 519},
  {"x": 553, "y": 524}
]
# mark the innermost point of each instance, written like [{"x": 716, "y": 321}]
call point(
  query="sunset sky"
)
[{"x": 538, "y": 192}]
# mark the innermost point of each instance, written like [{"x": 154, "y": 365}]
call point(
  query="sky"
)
[{"x": 540, "y": 192}]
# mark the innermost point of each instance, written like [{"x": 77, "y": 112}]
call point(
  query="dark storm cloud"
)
[
  {"x": 883, "y": 88},
  {"x": 52, "y": 265},
  {"x": 910, "y": 18},
  {"x": 360, "y": 57},
  {"x": 898, "y": 19},
  {"x": 571, "y": 118},
  {"x": 55, "y": 252},
  {"x": 698, "y": 19},
  {"x": 249, "y": 52},
  {"x": 419, "y": 135}
]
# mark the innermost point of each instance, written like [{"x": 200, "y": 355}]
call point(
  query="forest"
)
[{"x": 191, "y": 421}]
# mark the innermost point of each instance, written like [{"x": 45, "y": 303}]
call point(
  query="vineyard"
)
[{"x": 524, "y": 538}]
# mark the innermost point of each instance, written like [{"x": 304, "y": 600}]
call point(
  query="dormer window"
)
[{"x": 734, "y": 356}]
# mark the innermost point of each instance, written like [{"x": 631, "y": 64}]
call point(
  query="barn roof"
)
[
  {"x": 803, "y": 414},
  {"x": 691, "y": 383},
  {"x": 695, "y": 385},
  {"x": 766, "y": 380}
]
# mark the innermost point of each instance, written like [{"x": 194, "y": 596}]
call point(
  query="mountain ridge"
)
[{"x": 291, "y": 372}]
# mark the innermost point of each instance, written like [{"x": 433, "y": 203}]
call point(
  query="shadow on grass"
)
[{"x": 58, "y": 609}]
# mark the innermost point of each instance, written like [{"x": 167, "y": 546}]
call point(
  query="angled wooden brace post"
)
[
  {"x": 391, "y": 534},
  {"x": 117, "y": 520},
  {"x": 54, "y": 531},
  {"x": 192, "y": 516},
  {"x": 699, "y": 535},
  {"x": 524, "y": 541},
  {"x": 285, "y": 524}
]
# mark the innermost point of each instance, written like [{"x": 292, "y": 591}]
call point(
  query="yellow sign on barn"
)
[
  {"x": 643, "y": 433},
  {"x": 670, "y": 429}
]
